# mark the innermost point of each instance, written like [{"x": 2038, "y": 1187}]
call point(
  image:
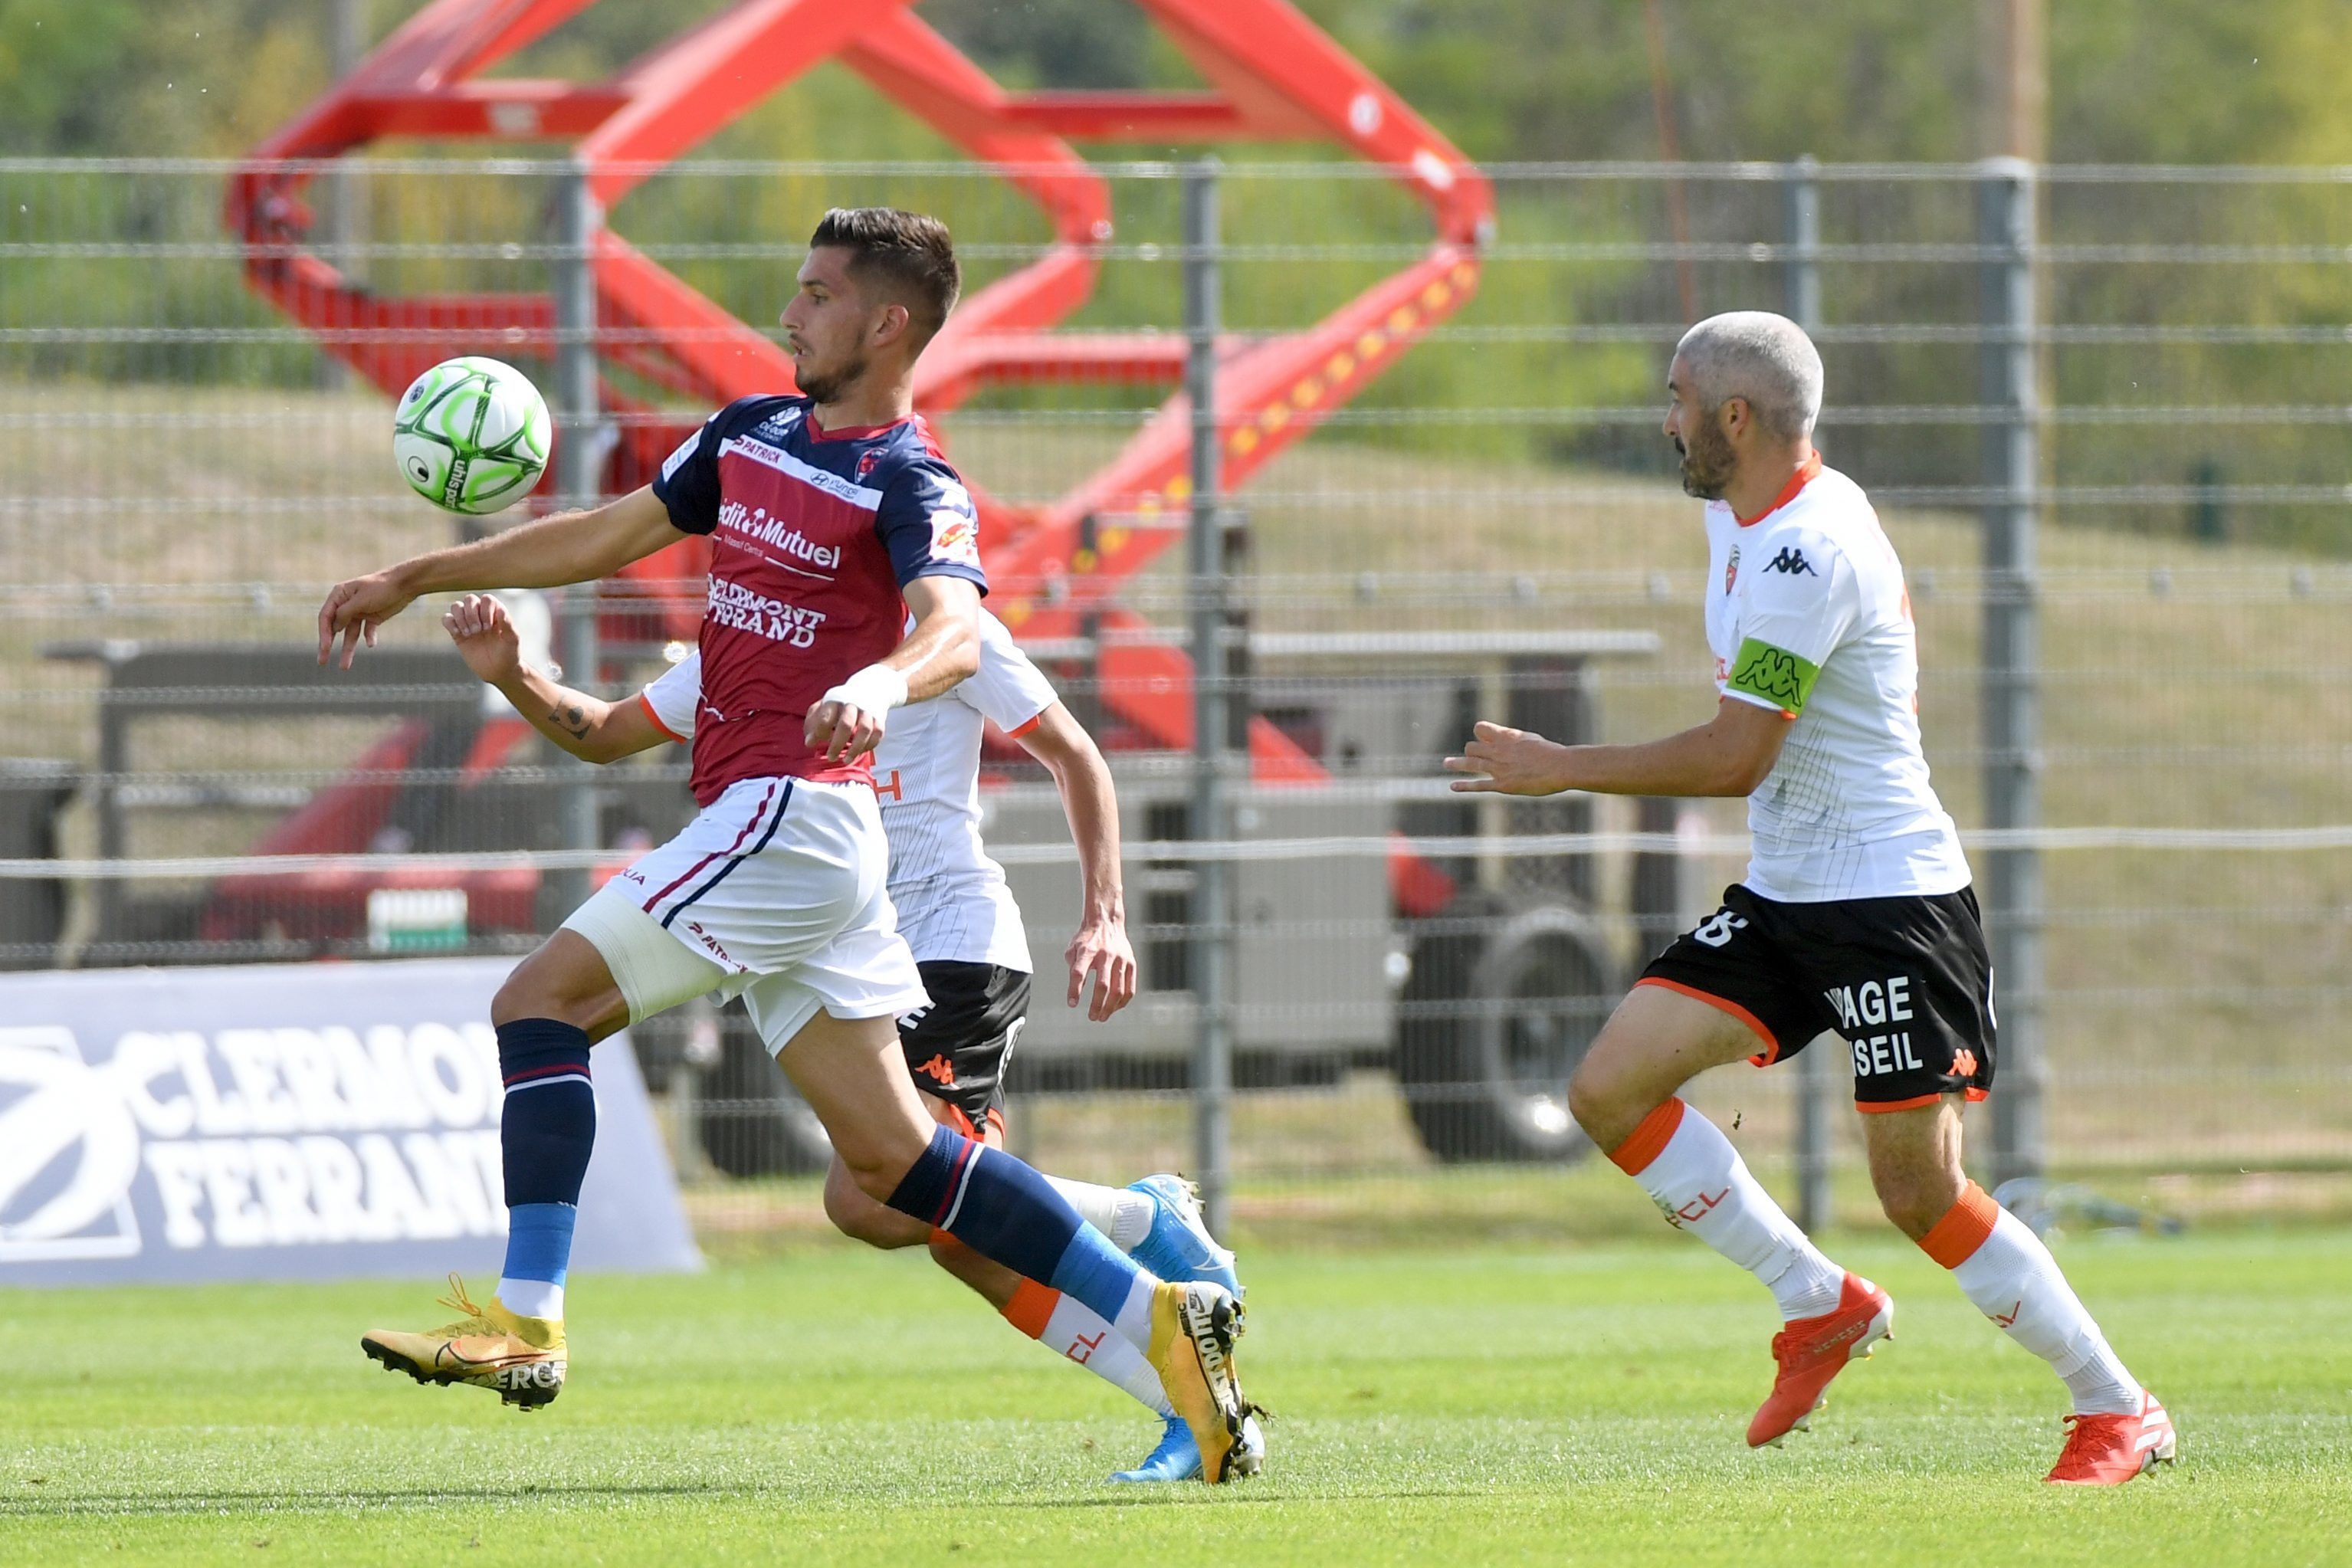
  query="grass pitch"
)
[{"x": 1572, "y": 1403}]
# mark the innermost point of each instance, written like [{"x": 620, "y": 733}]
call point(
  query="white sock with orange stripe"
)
[
  {"x": 1692, "y": 1171},
  {"x": 1067, "y": 1327},
  {"x": 2002, "y": 1267}
]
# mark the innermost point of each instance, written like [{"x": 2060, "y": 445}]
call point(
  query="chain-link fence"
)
[{"x": 1486, "y": 526}]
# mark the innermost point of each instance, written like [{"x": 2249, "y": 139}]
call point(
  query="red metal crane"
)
[{"x": 1273, "y": 75}]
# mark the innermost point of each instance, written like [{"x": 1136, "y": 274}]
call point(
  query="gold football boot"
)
[{"x": 489, "y": 1347}]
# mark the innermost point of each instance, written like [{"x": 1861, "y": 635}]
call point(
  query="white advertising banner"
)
[{"x": 289, "y": 1121}]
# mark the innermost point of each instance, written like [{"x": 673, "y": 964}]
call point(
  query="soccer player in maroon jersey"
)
[{"x": 833, "y": 519}]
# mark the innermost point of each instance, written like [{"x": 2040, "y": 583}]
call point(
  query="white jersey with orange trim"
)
[
  {"x": 1807, "y": 614},
  {"x": 953, "y": 905}
]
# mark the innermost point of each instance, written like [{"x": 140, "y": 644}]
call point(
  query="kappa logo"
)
[
  {"x": 1792, "y": 560},
  {"x": 940, "y": 1070},
  {"x": 1772, "y": 673}
]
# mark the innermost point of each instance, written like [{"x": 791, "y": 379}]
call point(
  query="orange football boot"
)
[
  {"x": 1811, "y": 1350},
  {"x": 2108, "y": 1450}
]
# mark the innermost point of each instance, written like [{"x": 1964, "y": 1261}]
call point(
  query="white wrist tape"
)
[{"x": 875, "y": 689}]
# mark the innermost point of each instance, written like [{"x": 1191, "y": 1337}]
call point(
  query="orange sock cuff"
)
[
  {"x": 1650, "y": 1139},
  {"x": 1031, "y": 1308},
  {"x": 1957, "y": 1236}
]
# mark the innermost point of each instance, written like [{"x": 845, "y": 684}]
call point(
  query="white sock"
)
[
  {"x": 1073, "y": 1330},
  {"x": 1692, "y": 1171},
  {"x": 1123, "y": 1215},
  {"x": 531, "y": 1297},
  {"x": 1077, "y": 1334},
  {"x": 2001, "y": 1266},
  {"x": 1134, "y": 1320}
]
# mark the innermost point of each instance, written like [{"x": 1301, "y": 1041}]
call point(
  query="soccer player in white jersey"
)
[
  {"x": 1855, "y": 917},
  {"x": 831, "y": 517},
  {"x": 972, "y": 953}
]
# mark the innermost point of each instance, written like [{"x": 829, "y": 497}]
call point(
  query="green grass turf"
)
[{"x": 1573, "y": 1404}]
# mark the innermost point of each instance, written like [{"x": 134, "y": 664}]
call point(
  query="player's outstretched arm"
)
[
  {"x": 573, "y": 547},
  {"x": 1101, "y": 950},
  {"x": 943, "y": 650},
  {"x": 1730, "y": 755},
  {"x": 588, "y": 727}
]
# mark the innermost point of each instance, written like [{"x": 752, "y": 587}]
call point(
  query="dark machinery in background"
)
[{"x": 1477, "y": 977}]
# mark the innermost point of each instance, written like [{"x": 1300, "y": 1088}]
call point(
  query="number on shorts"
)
[{"x": 1717, "y": 929}]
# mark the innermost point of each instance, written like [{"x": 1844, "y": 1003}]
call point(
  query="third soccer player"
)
[{"x": 1857, "y": 916}]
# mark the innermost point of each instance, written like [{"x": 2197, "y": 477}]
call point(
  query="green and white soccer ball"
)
[{"x": 471, "y": 434}]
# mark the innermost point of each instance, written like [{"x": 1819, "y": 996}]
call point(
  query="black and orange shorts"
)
[
  {"x": 958, "y": 1046},
  {"x": 1907, "y": 982}
]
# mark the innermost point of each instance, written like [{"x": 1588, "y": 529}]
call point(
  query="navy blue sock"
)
[
  {"x": 1008, "y": 1213},
  {"x": 548, "y": 1125}
]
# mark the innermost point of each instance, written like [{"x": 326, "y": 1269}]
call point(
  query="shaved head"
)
[{"x": 1758, "y": 356}]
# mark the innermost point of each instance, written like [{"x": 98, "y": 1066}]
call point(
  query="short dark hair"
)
[{"x": 910, "y": 253}]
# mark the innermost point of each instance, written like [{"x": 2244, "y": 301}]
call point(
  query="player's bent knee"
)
[
  {"x": 877, "y": 1173},
  {"x": 1914, "y": 1201},
  {"x": 1607, "y": 1102},
  {"x": 1591, "y": 1105},
  {"x": 565, "y": 979},
  {"x": 1907, "y": 1213},
  {"x": 860, "y": 1217}
]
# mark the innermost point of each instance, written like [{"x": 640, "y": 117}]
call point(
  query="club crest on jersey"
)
[
  {"x": 1792, "y": 560},
  {"x": 866, "y": 463},
  {"x": 1731, "y": 571}
]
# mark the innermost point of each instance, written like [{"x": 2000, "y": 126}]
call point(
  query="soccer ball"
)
[{"x": 471, "y": 434}]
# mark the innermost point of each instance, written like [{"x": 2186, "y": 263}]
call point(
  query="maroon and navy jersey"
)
[{"x": 812, "y": 533}]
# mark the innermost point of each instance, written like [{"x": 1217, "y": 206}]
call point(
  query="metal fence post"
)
[
  {"x": 2005, "y": 198},
  {"x": 346, "y": 45},
  {"x": 579, "y": 456},
  {"x": 1816, "y": 1069},
  {"x": 1212, "y": 926}
]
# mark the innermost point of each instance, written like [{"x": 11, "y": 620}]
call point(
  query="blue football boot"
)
[
  {"x": 1178, "y": 1457},
  {"x": 1178, "y": 1246}
]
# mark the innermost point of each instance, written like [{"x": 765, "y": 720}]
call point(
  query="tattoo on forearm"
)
[{"x": 572, "y": 720}]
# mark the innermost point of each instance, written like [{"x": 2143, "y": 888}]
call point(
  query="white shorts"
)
[{"x": 776, "y": 893}]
